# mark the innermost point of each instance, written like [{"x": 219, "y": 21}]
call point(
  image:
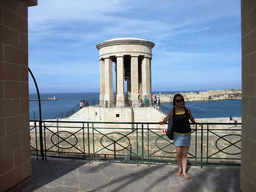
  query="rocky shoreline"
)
[{"x": 210, "y": 95}]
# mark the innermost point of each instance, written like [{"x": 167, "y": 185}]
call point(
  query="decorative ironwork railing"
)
[
  {"x": 139, "y": 142},
  {"x": 164, "y": 109},
  {"x": 129, "y": 102}
]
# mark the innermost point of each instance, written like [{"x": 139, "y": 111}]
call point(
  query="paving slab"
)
[{"x": 61, "y": 175}]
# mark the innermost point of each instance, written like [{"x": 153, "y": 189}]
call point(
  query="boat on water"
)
[{"x": 54, "y": 98}]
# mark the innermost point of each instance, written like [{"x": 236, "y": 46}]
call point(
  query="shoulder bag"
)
[{"x": 169, "y": 131}]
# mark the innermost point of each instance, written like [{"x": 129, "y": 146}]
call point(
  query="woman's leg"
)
[
  {"x": 179, "y": 160},
  {"x": 185, "y": 161}
]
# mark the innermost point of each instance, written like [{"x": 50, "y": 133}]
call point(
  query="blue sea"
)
[{"x": 66, "y": 101}]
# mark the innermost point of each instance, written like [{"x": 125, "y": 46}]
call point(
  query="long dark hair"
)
[{"x": 174, "y": 99}]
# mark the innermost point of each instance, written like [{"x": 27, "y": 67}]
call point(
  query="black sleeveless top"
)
[{"x": 181, "y": 122}]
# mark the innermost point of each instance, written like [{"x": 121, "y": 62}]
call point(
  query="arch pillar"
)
[
  {"x": 120, "y": 81},
  {"x": 108, "y": 77},
  {"x": 134, "y": 77},
  {"x": 146, "y": 78},
  {"x": 102, "y": 82}
]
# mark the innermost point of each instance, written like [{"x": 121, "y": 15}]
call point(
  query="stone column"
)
[
  {"x": 108, "y": 96},
  {"x": 146, "y": 78},
  {"x": 120, "y": 81},
  {"x": 149, "y": 79},
  {"x": 134, "y": 78},
  {"x": 102, "y": 82}
]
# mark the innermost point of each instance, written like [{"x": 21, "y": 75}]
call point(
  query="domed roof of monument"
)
[{"x": 125, "y": 41}]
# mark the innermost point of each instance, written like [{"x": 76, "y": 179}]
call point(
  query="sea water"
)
[
  {"x": 67, "y": 101},
  {"x": 213, "y": 109}
]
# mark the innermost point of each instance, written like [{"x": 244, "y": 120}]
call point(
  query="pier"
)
[{"x": 48, "y": 99}]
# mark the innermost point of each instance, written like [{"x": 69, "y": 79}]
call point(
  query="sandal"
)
[
  {"x": 178, "y": 173},
  {"x": 186, "y": 176}
]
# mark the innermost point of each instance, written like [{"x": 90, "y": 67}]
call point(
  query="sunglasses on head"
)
[{"x": 179, "y": 100}]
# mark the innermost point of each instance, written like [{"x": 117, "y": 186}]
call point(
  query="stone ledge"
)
[
  {"x": 125, "y": 41},
  {"x": 31, "y": 2}
]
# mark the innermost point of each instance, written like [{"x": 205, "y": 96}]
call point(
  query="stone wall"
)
[
  {"x": 133, "y": 114},
  {"x": 118, "y": 114},
  {"x": 248, "y": 168},
  {"x": 15, "y": 164}
]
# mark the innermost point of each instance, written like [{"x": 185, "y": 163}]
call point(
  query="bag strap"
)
[{"x": 186, "y": 112}]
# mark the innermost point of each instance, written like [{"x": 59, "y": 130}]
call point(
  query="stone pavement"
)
[{"x": 63, "y": 175}]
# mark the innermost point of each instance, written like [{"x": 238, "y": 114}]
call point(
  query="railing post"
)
[
  {"x": 93, "y": 143},
  {"x": 207, "y": 150},
  {"x": 36, "y": 140},
  {"x": 58, "y": 139},
  {"x": 130, "y": 151},
  {"x": 88, "y": 135},
  {"x": 148, "y": 142},
  {"x": 137, "y": 135},
  {"x": 142, "y": 138},
  {"x": 83, "y": 142},
  {"x": 114, "y": 150},
  {"x": 196, "y": 144},
  {"x": 44, "y": 142},
  {"x": 202, "y": 146},
  {"x": 41, "y": 139}
]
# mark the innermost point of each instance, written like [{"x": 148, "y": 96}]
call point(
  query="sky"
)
[{"x": 197, "y": 42}]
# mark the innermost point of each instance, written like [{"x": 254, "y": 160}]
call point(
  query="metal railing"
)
[
  {"x": 76, "y": 108},
  {"x": 164, "y": 109},
  {"x": 127, "y": 103},
  {"x": 139, "y": 142}
]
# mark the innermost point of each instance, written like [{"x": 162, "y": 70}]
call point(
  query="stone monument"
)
[{"x": 132, "y": 58}]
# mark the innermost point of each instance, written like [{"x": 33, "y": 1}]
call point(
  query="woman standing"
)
[{"x": 182, "y": 132}]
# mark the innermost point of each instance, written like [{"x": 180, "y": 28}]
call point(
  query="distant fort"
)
[{"x": 211, "y": 95}]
